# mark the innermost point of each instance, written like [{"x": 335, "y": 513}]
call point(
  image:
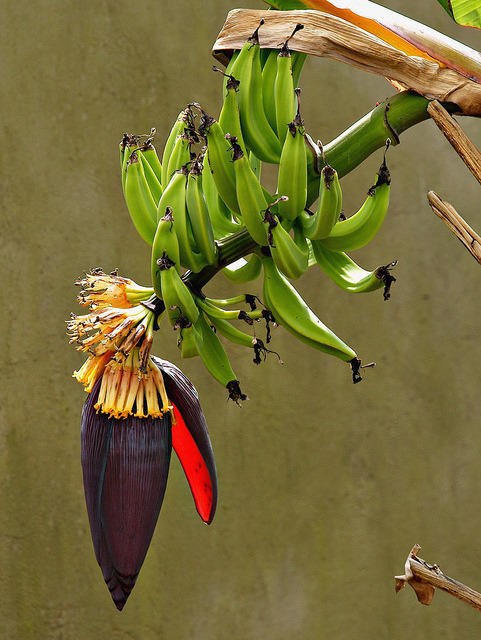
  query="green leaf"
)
[{"x": 465, "y": 12}]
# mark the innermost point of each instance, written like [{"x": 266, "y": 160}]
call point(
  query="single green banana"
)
[
  {"x": 229, "y": 118},
  {"x": 165, "y": 243},
  {"x": 292, "y": 176},
  {"x": 216, "y": 361},
  {"x": 359, "y": 229},
  {"x": 250, "y": 196},
  {"x": 190, "y": 341},
  {"x": 150, "y": 154},
  {"x": 177, "y": 130},
  {"x": 256, "y": 130},
  {"x": 140, "y": 203},
  {"x": 228, "y": 314},
  {"x": 291, "y": 255},
  {"x": 228, "y": 302},
  {"x": 228, "y": 69},
  {"x": 179, "y": 157},
  {"x": 152, "y": 180},
  {"x": 284, "y": 96},
  {"x": 127, "y": 146},
  {"x": 290, "y": 311},
  {"x": 220, "y": 161},
  {"x": 298, "y": 60},
  {"x": 256, "y": 165},
  {"x": 244, "y": 270},
  {"x": 178, "y": 299},
  {"x": 199, "y": 215},
  {"x": 350, "y": 276},
  {"x": 174, "y": 196},
  {"x": 269, "y": 72},
  {"x": 223, "y": 223},
  {"x": 320, "y": 224}
]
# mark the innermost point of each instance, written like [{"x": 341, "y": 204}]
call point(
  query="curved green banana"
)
[
  {"x": 174, "y": 196},
  {"x": 223, "y": 223},
  {"x": 243, "y": 270},
  {"x": 177, "y": 129},
  {"x": 291, "y": 255},
  {"x": 216, "y": 361},
  {"x": 292, "y": 176},
  {"x": 229, "y": 118},
  {"x": 256, "y": 130},
  {"x": 219, "y": 156},
  {"x": 178, "y": 299},
  {"x": 149, "y": 152},
  {"x": 284, "y": 96},
  {"x": 329, "y": 206},
  {"x": 298, "y": 60},
  {"x": 179, "y": 157},
  {"x": 190, "y": 341},
  {"x": 199, "y": 215},
  {"x": 359, "y": 229},
  {"x": 165, "y": 243},
  {"x": 290, "y": 311},
  {"x": 140, "y": 203},
  {"x": 228, "y": 314},
  {"x": 151, "y": 178},
  {"x": 269, "y": 72},
  {"x": 350, "y": 276},
  {"x": 250, "y": 196},
  {"x": 127, "y": 146}
]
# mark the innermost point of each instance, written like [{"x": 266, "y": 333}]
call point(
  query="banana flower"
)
[{"x": 139, "y": 407}]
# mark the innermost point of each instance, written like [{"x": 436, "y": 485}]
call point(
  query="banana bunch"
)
[{"x": 203, "y": 209}]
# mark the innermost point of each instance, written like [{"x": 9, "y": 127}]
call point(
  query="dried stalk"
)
[
  {"x": 328, "y": 36},
  {"x": 425, "y": 578},
  {"x": 459, "y": 226},
  {"x": 464, "y": 147}
]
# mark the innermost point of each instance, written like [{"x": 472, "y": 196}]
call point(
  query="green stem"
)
[{"x": 387, "y": 120}]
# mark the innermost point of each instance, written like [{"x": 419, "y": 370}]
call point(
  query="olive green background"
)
[{"x": 324, "y": 486}]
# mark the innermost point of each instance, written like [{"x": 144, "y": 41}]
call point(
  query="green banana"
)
[
  {"x": 174, "y": 196},
  {"x": 178, "y": 299},
  {"x": 219, "y": 157},
  {"x": 243, "y": 270},
  {"x": 269, "y": 72},
  {"x": 298, "y": 60},
  {"x": 284, "y": 96},
  {"x": 292, "y": 176},
  {"x": 359, "y": 229},
  {"x": 190, "y": 341},
  {"x": 349, "y": 275},
  {"x": 229, "y": 118},
  {"x": 320, "y": 224},
  {"x": 226, "y": 329},
  {"x": 291, "y": 255},
  {"x": 150, "y": 154},
  {"x": 179, "y": 157},
  {"x": 223, "y": 223},
  {"x": 256, "y": 130},
  {"x": 177, "y": 130},
  {"x": 151, "y": 178},
  {"x": 250, "y": 196},
  {"x": 126, "y": 146},
  {"x": 228, "y": 314},
  {"x": 199, "y": 215},
  {"x": 216, "y": 361},
  {"x": 290, "y": 311},
  {"x": 138, "y": 198},
  {"x": 165, "y": 243}
]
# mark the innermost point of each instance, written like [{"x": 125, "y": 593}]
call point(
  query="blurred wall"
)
[{"x": 324, "y": 486}]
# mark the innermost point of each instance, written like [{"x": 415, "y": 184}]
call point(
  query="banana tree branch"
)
[
  {"x": 425, "y": 578},
  {"x": 464, "y": 147},
  {"x": 457, "y": 224}
]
